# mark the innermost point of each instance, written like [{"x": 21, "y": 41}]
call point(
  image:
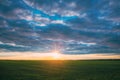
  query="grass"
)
[{"x": 60, "y": 70}]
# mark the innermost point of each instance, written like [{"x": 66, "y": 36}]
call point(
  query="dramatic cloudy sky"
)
[{"x": 70, "y": 26}]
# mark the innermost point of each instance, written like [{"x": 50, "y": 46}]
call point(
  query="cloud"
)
[
  {"x": 12, "y": 44},
  {"x": 58, "y": 22}
]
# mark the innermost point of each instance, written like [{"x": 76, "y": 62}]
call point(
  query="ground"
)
[{"x": 60, "y": 70}]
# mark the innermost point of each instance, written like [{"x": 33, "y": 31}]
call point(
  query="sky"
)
[{"x": 70, "y": 27}]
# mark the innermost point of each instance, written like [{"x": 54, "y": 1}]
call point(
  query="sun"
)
[{"x": 56, "y": 55}]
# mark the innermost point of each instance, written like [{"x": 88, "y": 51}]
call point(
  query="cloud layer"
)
[{"x": 72, "y": 26}]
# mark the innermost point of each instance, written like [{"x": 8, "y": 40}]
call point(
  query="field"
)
[{"x": 60, "y": 70}]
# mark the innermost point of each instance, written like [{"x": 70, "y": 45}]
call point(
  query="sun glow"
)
[{"x": 55, "y": 55}]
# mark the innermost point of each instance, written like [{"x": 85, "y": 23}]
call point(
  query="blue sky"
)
[{"x": 70, "y": 26}]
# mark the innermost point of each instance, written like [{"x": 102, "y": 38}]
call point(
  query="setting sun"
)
[{"x": 55, "y": 55}]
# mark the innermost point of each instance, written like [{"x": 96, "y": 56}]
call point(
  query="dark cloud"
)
[{"x": 75, "y": 26}]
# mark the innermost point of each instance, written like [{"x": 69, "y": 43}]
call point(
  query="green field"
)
[{"x": 60, "y": 70}]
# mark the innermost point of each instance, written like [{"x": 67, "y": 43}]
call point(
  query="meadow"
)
[{"x": 60, "y": 70}]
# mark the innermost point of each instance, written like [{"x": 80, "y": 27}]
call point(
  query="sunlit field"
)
[{"x": 60, "y": 70}]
